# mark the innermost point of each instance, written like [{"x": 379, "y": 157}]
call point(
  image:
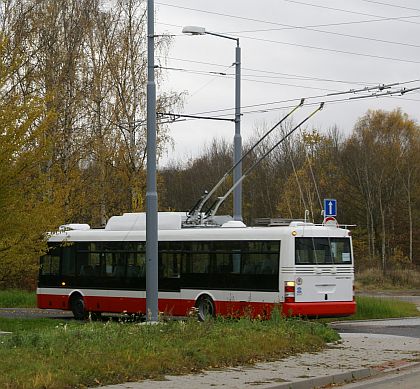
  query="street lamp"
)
[{"x": 237, "y": 141}]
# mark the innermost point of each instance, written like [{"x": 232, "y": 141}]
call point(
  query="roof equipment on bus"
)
[
  {"x": 136, "y": 221},
  {"x": 210, "y": 213},
  {"x": 195, "y": 214},
  {"x": 274, "y": 222},
  {"x": 74, "y": 226}
]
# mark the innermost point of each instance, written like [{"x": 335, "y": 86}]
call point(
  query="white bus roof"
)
[{"x": 202, "y": 234}]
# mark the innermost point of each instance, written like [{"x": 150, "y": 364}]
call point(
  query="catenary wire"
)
[
  {"x": 336, "y": 34},
  {"x": 287, "y": 76},
  {"x": 311, "y": 29},
  {"x": 267, "y": 71},
  {"x": 328, "y": 102},
  {"x": 299, "y": 27},
  {"x": 348, "y": 11},
  {"x": 401, "y": 18},
  {"x": 290, "y": 100},
  {"x": 331, "y": 50},
  {"x": 391, "y": 5}
]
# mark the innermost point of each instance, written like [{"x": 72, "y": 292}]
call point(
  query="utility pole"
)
[
  {"x": 151, "y": 192},
  {"x": 237, "y": 141}
]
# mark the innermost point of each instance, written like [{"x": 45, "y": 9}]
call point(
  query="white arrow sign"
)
[{"x": 330, "y": 207}]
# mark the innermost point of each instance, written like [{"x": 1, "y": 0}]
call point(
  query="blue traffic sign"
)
[{"x": 330, "y": 207}]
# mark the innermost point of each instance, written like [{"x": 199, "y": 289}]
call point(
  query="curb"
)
[
  {"x": 368, "y": 320},
  {"x": 340, "y": 378},
  {"x": 317, "y": 382}
]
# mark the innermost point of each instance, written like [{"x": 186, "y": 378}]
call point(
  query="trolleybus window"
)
[
  {"x": 50, "y": 262},
  {"x": 323, "y": 251},
  {"x": 195, "y": 264}
]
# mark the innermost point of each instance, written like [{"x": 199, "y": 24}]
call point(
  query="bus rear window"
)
[{"x": 322, "y": 251}]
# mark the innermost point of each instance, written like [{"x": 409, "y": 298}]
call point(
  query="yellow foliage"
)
[{"x": 26, "y": 207}]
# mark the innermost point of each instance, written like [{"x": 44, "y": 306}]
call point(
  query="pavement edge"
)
[{"x": 340, "y": 378}]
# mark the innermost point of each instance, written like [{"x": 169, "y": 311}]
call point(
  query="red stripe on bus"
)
[
  {"x": 330, "y": 308},
  {"x": 178, "y": 307}
]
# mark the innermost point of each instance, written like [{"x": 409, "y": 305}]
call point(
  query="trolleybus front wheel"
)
[{"x": 205, "y": 307}]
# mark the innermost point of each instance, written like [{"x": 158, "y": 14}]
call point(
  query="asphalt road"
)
[
  {"x": 400, "y": 327},
  {"x": 32, "y": 313},
  {"x": 404, "y": 379}
]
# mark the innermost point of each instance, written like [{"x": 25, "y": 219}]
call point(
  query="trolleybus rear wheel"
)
[
  {"x": 78, "y": 308},
  {"x": 205, "y": 306}
]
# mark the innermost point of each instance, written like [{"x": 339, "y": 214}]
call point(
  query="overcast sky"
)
[{"x": 345, "y": 46}]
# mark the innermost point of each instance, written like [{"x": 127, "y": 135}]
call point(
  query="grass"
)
[
  {"x": 374, "y": 279},
  {"x": 56, "y": 354},
  {"x": 59, "y": 353},
  {"x": 17, "y": 299},
  {"x": 382, "y": 308},
  {"x": 18, "y": 325}
]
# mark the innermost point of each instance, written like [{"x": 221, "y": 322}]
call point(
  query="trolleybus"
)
[{"x": 301, "y": 268}]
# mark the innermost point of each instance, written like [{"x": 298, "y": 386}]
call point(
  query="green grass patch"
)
[
  {"x": 17, "y": 299},
  {"x": 18, "y": 325},
  {"x": 378, "y": 308},
  {"x": 382, "y": 308},
  {"x": 70, "y": 354}
]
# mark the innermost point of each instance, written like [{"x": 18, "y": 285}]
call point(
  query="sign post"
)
[
  {"x": 330, "y": 207},
  {"x": 330, "y": 211}
]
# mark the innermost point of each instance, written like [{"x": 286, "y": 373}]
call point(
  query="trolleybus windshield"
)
[{"x": 322, "y": 251}]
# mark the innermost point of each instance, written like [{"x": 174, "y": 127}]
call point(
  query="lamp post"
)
[
  {"x": 237, "y": 141},
  {"x": 151, "y": 192}
]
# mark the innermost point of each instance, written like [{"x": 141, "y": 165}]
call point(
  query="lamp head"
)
[{"x": 193, "y": 30}]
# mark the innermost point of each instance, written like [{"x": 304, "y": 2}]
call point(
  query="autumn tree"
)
[
  {"x": 26, "y": 208},
  {"x": 381, "y": 159},
  {"x": 90, "y": 61}
]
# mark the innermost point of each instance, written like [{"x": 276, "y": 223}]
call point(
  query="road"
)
[
  {"x": 401, "y": 327},
  {"x": 408, "y": 379},
  {"x": 33, "y": 313}
]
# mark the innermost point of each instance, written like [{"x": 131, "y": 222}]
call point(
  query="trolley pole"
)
[{"x": 151, "y": 192}]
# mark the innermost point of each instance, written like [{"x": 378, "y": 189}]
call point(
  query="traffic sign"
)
[
  {"x": 330, "y": 221},
  {"x": 330, "y": 207}
]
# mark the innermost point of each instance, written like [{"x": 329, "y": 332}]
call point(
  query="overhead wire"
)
[
  {"x": 336, "y": 34},
  {"x": 400, "y": 18},
  {"x": 313, "y": 29},
  {"x": 215, "y": 76},
  {"x": 297, "y": 99},
  {"x": 287, "y": 76},
  {"x": 330, "y": 50},
  {"x": 292, "y": 27},
  {"x": 391, "y": 5},
  {"x": 244, "y": 78},
  {"x": 331, "y": 101},
  {"x": 348, "y": 11},
  {"x": 309, "y": 46},
  {"x": 272, "y": 72}
]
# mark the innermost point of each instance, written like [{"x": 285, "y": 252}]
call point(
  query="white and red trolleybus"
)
[{"x": 301, "y": 268}]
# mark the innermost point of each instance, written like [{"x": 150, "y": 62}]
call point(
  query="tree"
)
[
  {"x": 26, "y": 208},
  {"x": 381, "y": 159}
]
